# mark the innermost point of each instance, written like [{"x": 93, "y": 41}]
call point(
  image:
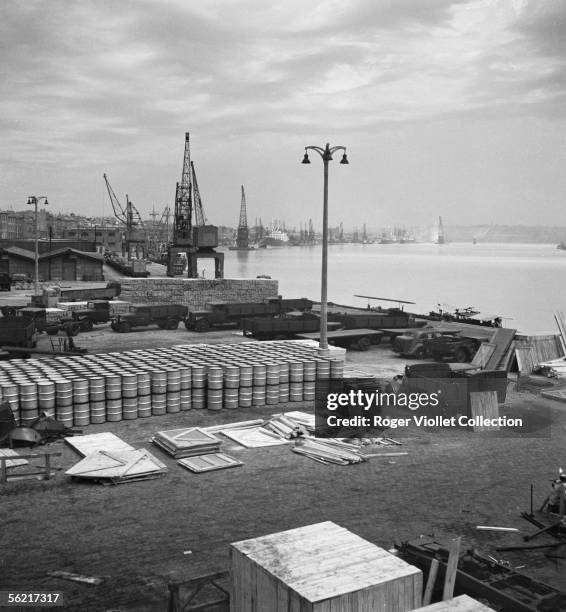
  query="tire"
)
[
  {"x": 124, "y": 327},
  {"x": 462, "y": 355},
  {"x": 188, "y": 326},
  {"x": 419, "y": 353},
  {"x": 202, "y": 325},
  {"x": 72, "y": 330},
  {"x": 86, "y": 325},
  {"x": 172, "y": 324},
  {"x": 364, "y": 344}
]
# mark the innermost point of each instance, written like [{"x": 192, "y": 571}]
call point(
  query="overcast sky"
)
[{"x": 447, "y": 107}]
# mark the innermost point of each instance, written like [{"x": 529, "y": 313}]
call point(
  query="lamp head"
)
[
  {"x": 306, "y": 159},
  {"x": 344, "y": 159},
  {"x": 31, "y": 200}
]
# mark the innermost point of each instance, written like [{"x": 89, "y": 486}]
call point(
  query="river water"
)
[{"x": 525, "y": 284}]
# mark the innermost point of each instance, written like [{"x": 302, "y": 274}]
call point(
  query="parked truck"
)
[
  {"x": 165, "y": 316},
  {"x": 95, "y": 313},
  {"x": 415, "y": 342},
  {"x": 17, "y": 331},
  {"x": 391, "y": 318},
  {"x": 455, "y": 347},
  {"x": 109, "y": 292},
  {"x": 225, "y": 313},
  {"x": 38, "y": 317}
]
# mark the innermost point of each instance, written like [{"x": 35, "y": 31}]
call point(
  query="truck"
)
[
  {"x": 165, "y": 316},
  {"x": 109, "y": 292},
  {"x": 135, "y": 267},
  {"x": 38, "y": 317},
  {"x": 391, "y": 318},
  {"x": 358, "y": 339},
  {"x": 415, "y": 342},
  {"x": 288, "y": 325},
  {"x": 226, "y": 313},
  {"x": 455, "y": 347},
  {"x": 96, "y": 312},
  {"x": 17, "y": 331}
]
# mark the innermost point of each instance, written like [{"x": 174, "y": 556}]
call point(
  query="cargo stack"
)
[{"x": 85, "y": 389}]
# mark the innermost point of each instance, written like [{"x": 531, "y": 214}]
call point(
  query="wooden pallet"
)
[{"x": 43, "y": 472}]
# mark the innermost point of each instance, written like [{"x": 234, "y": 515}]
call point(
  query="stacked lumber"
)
[
  {"x": 328, "y": 451},
  {"x": 502, "y": 339},
  {"x": 69, "y": 307},
  {"x": 186, "y": 442},
  {"x": 462, "y": 603},
  {"x": 319, "y": 568},
  {"x": 118, "y": 467},
  {"x": 287, "y": 426},
  {"x": 483, "y": 404}
]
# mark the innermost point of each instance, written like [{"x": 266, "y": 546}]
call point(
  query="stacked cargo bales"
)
[
  {"x": 80, "y": 390},
  {"x": 196, "y": 293}
]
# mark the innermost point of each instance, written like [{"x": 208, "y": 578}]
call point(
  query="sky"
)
[{"x": 446, "y": 107}]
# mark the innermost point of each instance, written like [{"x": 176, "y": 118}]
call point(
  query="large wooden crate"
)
[
  {"x": 320, "y": 568},
  {"x": 463, "y": 603}
]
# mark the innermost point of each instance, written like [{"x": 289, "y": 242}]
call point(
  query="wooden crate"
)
[
  {"x": 320, "y": 568},
  {"x": 463, "y": 603}
]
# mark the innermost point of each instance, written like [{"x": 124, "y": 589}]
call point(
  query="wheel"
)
[
  {"x": 462, "y": 355},
  {"x": 124, "y": 327},
  {"x": 188, "y": 326},
  {"x": 437, "y": 356},
  {"x": 161, "y": 325},
  {"x": 364, "y": 344},
  {"x": 419, "y": 353},
  {"x": 113, "y": 327},
  {"x": 86, "y": 325},
  {"x": 72, "y": 330},
  {"x": 172, "y": 324},
  {"x": 202, "y": 325}
]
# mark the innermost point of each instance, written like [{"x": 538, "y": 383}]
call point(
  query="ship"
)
[{"x": 276, "y": 237}]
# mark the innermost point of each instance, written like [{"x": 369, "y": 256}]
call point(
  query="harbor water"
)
[{"x": 523, "y": 283}]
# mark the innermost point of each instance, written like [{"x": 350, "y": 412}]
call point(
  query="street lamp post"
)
[
  {"x": 326, "y": 155},
  {"x": 34, "y": 201}
]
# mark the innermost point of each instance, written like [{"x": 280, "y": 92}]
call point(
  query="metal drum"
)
[
  {"x": 144, "y": 406},
  {"x": 245, "y": 397},
  {"x": 336, "y": 368},
  {"x": 173, "y": 381},
  {"x": 214, "y": 398},
  {"x": 198, "y": 376},
  {"x": 284, "y": 372},
  {"x": 173, "y": 401},
  {"x": 215, "y": 378},
  {"x": 296, "y": 392},
  {"x": 272, "y": 394},
  {"x": 81, "y": 414},
  {"x": 130, "y": 407},
  {"x": 97, "y": 412},
  {"x": 158, "y": 382},
  {"x": 246, "y": 375},
  {"x": 309, "y": 390},
  {"x": 158, "y": 403},
  {"x": 63, "y": 393},
  {"x": 46, "y": 395},
  {"x": 186, "y": 377},
  {"x": 322, "y": 369},
  {"x": 113, "y": 383},
  {"x": 144, "y": 384},
  {"x": 231, "y": 377},
  {"x": 309, "y": 370},
  {"x": 114, "y": 410},
  {"x": 258, "y": 396},
  {"x": 296, "y": 371},
  {"x": 185, "y": 399},
  {"x": 273, "y": 371},
  {"x": 198, "y": 397},
  {"x": 129, "y": 386},
  {"x": 231, "y": 399},
  {"x": 96, "y": 389},
  {"x": 259, "y": 374},
  {"x": 283, "y": 393}
]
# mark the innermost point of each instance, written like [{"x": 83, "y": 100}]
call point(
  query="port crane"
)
[
  {"x": 198, "y": 240},
  {"x": 135, "y": 234}
]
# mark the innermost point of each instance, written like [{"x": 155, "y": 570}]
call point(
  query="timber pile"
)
[
  {"x": 187, "y": 442},
  {"x": 319, "y": 568},
  {"x": 328, "y": 451},
  {"x": 87, "y": 389}
]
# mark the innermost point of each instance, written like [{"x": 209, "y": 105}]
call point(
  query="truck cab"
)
[
  {"x": 414, "y": 342},
  {"x": 41, "y": 324},
  {"x": 165, "y": 316},
  {"x": 96, "y": 311}
]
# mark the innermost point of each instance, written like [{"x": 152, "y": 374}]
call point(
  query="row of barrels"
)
[{"x": 141, "y": 383}]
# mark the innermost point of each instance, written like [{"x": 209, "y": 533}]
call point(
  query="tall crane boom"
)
[
  {"x": 200, "y": 218},
  {"x": 182, "y": 223}
]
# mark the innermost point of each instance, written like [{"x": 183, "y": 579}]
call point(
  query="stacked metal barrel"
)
[{"x": 141, "y": 383}]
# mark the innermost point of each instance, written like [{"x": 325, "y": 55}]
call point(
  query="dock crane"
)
[
  {"x": 198, "y": 240},
  {"x": 135, "y": 234}
]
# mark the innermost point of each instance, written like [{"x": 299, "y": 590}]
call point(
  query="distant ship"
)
[
  {"x": 277, "y": 237},
  {"x": 561, "y": 246}
]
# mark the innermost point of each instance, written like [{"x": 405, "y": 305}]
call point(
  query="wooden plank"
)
[
  {"x": 502, "y": 338},
  {"x": 483, "y": 354},
  {"x": 484, "y": 404},
  {"x": 462, "y": 603},
  {"x": 254, "y": 437},
  {"x": 451, "y": 569},
  {"x": 8, "y": 452},
  {"x": 85, "y": 445},
  {"x": 208, "y": 463},
  {"x": 433, "y": 571}
]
